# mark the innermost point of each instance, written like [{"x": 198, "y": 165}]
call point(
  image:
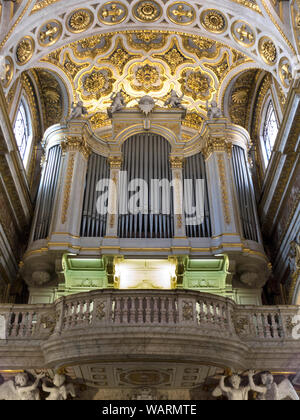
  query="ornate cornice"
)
[
  {"x": 217, "y": 144},
  {"x": 76, "y": 143}
]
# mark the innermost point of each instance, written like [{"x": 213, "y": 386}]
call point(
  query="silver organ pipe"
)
[
  {"x": 245, "y": 194},
  {"x": 94, "y": 216},
  {"x": 146, "y": 157},
  {"x": 47, "y": 191},
  {"x": 194, "y": 169}
]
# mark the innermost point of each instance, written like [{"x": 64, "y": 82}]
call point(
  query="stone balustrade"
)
[{"x": 103, "y": 322}]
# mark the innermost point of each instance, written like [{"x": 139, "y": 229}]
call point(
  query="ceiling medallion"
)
[
  {"x": 267, "y": 50},
  {"x": 49, "y": 33},
  {"x": 9, "y": 68},
  {"x": 285, "y": 72},
  {"x": 96, "y": 84},
  {"x": 112, "y": 13},
  {"x": 80, "y": 20},
  {"x": 197, "y": 84},
  {"x": 243, "y": 33},
  {"x": 181, "y": 13},
  {"x": 147, "y": 11},
  {"x": 214, "y": 21},
  {"x": 147, "y": 77},
  {"x": 25, "y": 50}
]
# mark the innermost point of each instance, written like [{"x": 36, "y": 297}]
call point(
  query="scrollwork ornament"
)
[
  {"x": 181, "y": 13},
  {"x": 243, "y": 33}
]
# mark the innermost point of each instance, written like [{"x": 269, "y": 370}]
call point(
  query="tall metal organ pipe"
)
[
  {"x": 194, "y": 169},
  {"x": 47, "y": 191},
  {"x": 94, "y": 216},
  {"x": 245, "y": 194},
  {"x": 146, "y": 158}
]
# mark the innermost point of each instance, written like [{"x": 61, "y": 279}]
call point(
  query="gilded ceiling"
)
[{"x": 150, "y": 47}]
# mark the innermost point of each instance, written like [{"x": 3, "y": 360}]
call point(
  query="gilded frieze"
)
[
  {"x": 147, "y": 11},
  {"x": 146, "y": 40},
  {"x": 243, "y": 33},
  {"x": 25, "y": 50},
  {"x": 80, "y": 20},
  {"x": 214, "y": 21},
  {"x": 92, "y": 47}
]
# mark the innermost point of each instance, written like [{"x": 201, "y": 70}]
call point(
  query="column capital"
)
[
  {"x": 75, "y": 143},
  {"x": 176, "y": 162},
  {"x": 217, "y": 144},
  {"x": 115, "y": 162}
]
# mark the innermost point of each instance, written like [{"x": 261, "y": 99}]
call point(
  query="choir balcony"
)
[{"x": 179, "y": 327}]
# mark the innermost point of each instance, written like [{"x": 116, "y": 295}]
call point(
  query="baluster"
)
[
  {"x": 268, "y": 330},
  {"x": 15, "y": 324},
  {"x": 126, "y": 301},
  {"x": 148, "y": 319},
  {"x": 29, "y": 329},
  {"x": 208, "y": 313},
  {"x": 140, "y": 310},
  {"x": 274, "y": 325},
  {"x": 172, "y": 311},
  {"x": 176, "y": 311},
  {"x": 118, "y": 311},
  {"x": 260, "y": 326},
  {"x": 156, "y": 310},
  {"x": 202, "y": 316},
  {"x": 164, "y": 319}
]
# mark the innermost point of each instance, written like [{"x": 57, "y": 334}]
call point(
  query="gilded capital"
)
[
  {"x": 115, "y": 162},
  {"x": 75, "y": 143},
  {"x": 176, "y": 162},
  {"x": 217, "y": 144}
]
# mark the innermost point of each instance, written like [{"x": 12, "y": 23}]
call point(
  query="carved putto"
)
[
  {"x": 213, "y": 111},
  {"x": 174, "y": 101},
  {"x": 60, "y": 389},
  {"x": 118, "y": 103},
  {"x": 78, "y": 111},
  {"x": 21, "y": 388}
]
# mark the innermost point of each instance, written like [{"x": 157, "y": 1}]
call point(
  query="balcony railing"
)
[{"x": 179, "y": 314}]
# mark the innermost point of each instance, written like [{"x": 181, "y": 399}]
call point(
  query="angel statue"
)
[
  {"x": 270, "y": 391},
  {"x": 174, "y": 100},
  {"x": 60, "y": 390},
  {"x": 20, "y": 388},
  {"x": 118, "y": 102},
  {"x": 78, "y": 111},
  {"x": 213, "y": 111},
  {"x": 294, "y": 256},
  {"x": 236, "y": 392}
]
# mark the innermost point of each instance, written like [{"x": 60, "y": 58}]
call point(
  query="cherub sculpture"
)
[
  {"x": 20, "y": 389},
  {"x": 213, "y": 111},
  {"x": 294, "y": 256},
  {"x": 236, "y": 392},
  {"x": 60, "y": 390},
  {"x": 270, "y": 391},
  {"x": 174, "y": 101},
  {"x": 78, "y": 111},
  {"x": 146, "y": 104},
  {"x": 118, "y": 102}
]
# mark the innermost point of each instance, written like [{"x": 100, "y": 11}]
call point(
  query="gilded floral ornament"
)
[
  {"x": 96, "y": 83},
  {"x": 181, "y": 13},
  {"x": 112, "y": 13},
  {"x": 100, "y": 119},
  {"x": 80, "y": 20},
  {"x": 174, "y": 57},
  {"x": 193, "y": 120},
  {"x": 243, "y": 33},
  {"x": 146, "y": 40},
  {"x": 268, "y": 50},
  {"x": 92, "y": 46},
  {"x": 197, "y": 84},
  {"x": 25, "y": 50},
  {"x": 71, "y": 67},
  {"x": 214, "y": 21},
  {"x": 285, "y": 72},
  {"x": 147, "y": 11},
  {"x": 120, "y": 56},
  {"x": 146, "y": 77},
  {"x": 202, "y": 47},
  {"x": 49, "y": 33}
]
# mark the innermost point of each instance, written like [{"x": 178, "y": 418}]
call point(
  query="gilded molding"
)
[
  {"x": 225, "y": 198},
  {"x": 68, "y": 186},
  {"x": 115, "y": 162},
  {"x": 176, "y": 162},
  {"x": 217, "y": 144},
  {"x": 75, "y": 144}
]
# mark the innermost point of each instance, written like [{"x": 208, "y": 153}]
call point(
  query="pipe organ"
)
[{"x": 110, "y": 211}]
